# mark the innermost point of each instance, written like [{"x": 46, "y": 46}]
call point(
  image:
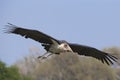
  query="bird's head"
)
[{"x": 64, "y": 46}]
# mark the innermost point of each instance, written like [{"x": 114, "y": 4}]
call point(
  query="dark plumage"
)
[{"x": 47, "y": 41}]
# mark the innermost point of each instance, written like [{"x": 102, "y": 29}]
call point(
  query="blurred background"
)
[{"x": 88, "y": 22}]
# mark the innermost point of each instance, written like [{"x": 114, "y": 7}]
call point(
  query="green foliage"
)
[{"x": 10, "y": 73}]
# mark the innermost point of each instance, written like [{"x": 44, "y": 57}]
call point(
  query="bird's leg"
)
[
  {"x": 49, "y": 55},
  {"x": 42, "y": 55}
]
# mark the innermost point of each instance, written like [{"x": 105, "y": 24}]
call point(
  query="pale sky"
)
[{"x": 94, "y": 23}]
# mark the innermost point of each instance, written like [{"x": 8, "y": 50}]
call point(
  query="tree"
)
[
  {"x": 68, "y": 66},
  {"x": 10, "y": 73},
  {"x": 72, "y": 67}
]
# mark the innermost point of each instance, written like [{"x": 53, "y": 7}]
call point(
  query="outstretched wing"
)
[
  {"x": 93, "y": 52},
  {"x": 33, "y": 34}
]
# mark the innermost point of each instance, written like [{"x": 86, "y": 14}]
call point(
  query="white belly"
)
[{"x": 55, "y": 49}]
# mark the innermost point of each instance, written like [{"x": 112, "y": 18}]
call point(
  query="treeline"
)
[
  {"x": 11, "y": 73},
  {"x": 64, "y": 67}
]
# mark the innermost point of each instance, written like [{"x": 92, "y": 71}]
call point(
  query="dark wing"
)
[
  {"x": 93, "y": 52},
  {"x": 33, "y": 34}
]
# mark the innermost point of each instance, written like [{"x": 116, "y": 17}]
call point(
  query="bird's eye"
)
[{"x": 65, "y": 45}]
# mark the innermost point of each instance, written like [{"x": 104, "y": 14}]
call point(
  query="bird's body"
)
[
  {"x": 58, "y": 48},
  {"x": 55, "y": 46}
]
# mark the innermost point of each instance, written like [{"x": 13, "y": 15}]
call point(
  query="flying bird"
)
[{"x": 55, "y": 46}]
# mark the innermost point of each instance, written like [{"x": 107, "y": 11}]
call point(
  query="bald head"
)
[{"x": 64, "y": 46}]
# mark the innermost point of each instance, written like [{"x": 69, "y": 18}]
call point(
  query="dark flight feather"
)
[
  {"x": 33, "y": 34},
  {"x": 93, "y": 52}
]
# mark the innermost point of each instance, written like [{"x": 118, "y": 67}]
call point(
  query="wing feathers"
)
[
  {"x": 33, "y": 34},
  {"x": 93, "y": 52}
]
